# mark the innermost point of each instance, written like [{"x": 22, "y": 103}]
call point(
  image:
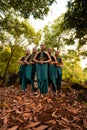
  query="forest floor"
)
[{"x": 21, "y": 111}]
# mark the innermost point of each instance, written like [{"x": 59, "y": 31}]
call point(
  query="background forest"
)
[{"x": 68, "y": 33}]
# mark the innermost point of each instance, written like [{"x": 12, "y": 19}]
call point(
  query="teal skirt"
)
[
  {"x": 42, "y": 77},
  {"x": 52, "y": 73}
]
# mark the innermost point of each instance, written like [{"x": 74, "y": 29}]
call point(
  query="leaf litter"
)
[{"x": 21, "y": 111}]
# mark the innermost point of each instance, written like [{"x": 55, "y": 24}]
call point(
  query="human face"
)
[
  {"x": 56, "y": 53},
  {"x": 50, "y": 50},
  {"x": 42, "y": 47},
  {"x": 34, "y": 50},
  {"x": 27, "y": 52}
]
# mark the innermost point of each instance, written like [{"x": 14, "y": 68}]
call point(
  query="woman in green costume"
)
[
  {"x": 52, "y": 71},
  {"x": 31, "y": 68},
  {"x": 59, "y": 70},
  {"x": 42, "y": 58},
  {"x": 22, "y": 71}
]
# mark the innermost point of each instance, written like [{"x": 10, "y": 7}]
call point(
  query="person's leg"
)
[
  {"x": 53, "y": 87},
  {"x": 32, "y": 83},
  {"x": 24, "y": 83},
  {"x": 59, "y": 83},
  {"x": 33, "y": 76},
  {"x": 60, "y": 78},
  {"x": 24, "y": 79}
]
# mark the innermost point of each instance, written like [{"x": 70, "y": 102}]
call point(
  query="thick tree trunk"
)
[{"x": 6, "y": 70}]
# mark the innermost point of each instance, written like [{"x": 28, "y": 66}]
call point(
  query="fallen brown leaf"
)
[
  {"x": 54, "y": 114},
  {"x": 20, "y": 120},
  {"x": 66, "y": 120},
  {"x": 72, "y": 110},
  {"x": 14, "y": 128},
  {"x": 52, "y": 122},
  {"x": 76, "y": 126},
  {"x": 32, "y": 124},
  {"x": 42, "y": 127},
  {"x": 26, "y": 114},
  {"x": 85, "y": 122},
  {"x": 6, "y": 120}
]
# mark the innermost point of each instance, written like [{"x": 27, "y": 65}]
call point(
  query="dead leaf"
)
[
  {"x": 61, "y": 122},
  {"x": 85, "y": 122},
  {"x": 18, "y": 112},
  {"x": 6, "y": 120},
  {"x": 66, "y": 129},
  {"x": 39, "y": 107},
  {"x": 18, "y": 98},
  {"x": 5, "y": 104},
  {"x": 66, "y": 120},
  {"x": 30, "y": 118},
  {"x": 50, "y": 128},
  {"x": 33, "y": 105},
  {"x": 64, "y": 124},
  {"x": 10, "y": 110},
  {"x": 54, "y": 114},
  {"x": 49, "y": 100},
  {"x": 72, "y": 110},
  {"x": 76, "y": 126},
  {"x": 52, "y": 122},
  {"x": 20, "y": 120},
  {"x": 32, "y": 124},
  {"x": 14, "y": 127},
  {"x": 26, "y": 114},
  {"x": 35, "y": 118},
  {"x": 42, "y": 127}
]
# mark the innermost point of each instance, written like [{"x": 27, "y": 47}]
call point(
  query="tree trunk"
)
[{"x": 6, "y": 69}]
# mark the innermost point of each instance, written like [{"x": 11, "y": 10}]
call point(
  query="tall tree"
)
[
  {"x": 75, "y": 18},
  {"x": 16, "y": 32}
]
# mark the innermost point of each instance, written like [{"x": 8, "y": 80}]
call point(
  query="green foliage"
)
[
  {"x": 76, "y": 17},
  {"x": 37, "y": 8},
  {"x": 53, "y": 34},
  {"x": 56, "y": 35},
  {"x": 14, "y": 65},
  {"x": 14, "y": 27},
  {"x": 4, "y": 56},
  {"x": 85, "y": 74},
  {"x": 59, "y": 35},
  {"x": 72, "y": 70}
]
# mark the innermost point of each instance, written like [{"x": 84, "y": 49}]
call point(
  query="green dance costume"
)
[
  {"x": 42, "y": 72},
  {"x": 59, "y": 74},
  {"x": 30, "y": 71},
  {"x": 22, "y": 72},
  {"x": 52, "y": 74}
]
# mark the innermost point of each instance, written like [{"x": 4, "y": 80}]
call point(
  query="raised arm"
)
[
  {"x": 60, "y": 64},
  {"x": 49, "y": 58},
  {"x": 34, "y": 59},
  {"x": 21, "y": 61},
  {"x": 54, "y": 62},
  {"x": 26, "y": 59}
]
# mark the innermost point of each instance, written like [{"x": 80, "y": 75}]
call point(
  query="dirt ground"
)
[{"x": 22, "y": 111}]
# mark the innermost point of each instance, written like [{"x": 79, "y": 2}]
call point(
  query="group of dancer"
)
[{"x": 41, "y": 66}]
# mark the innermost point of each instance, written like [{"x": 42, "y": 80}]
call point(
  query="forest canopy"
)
[{"x": 37, "y": 8}]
